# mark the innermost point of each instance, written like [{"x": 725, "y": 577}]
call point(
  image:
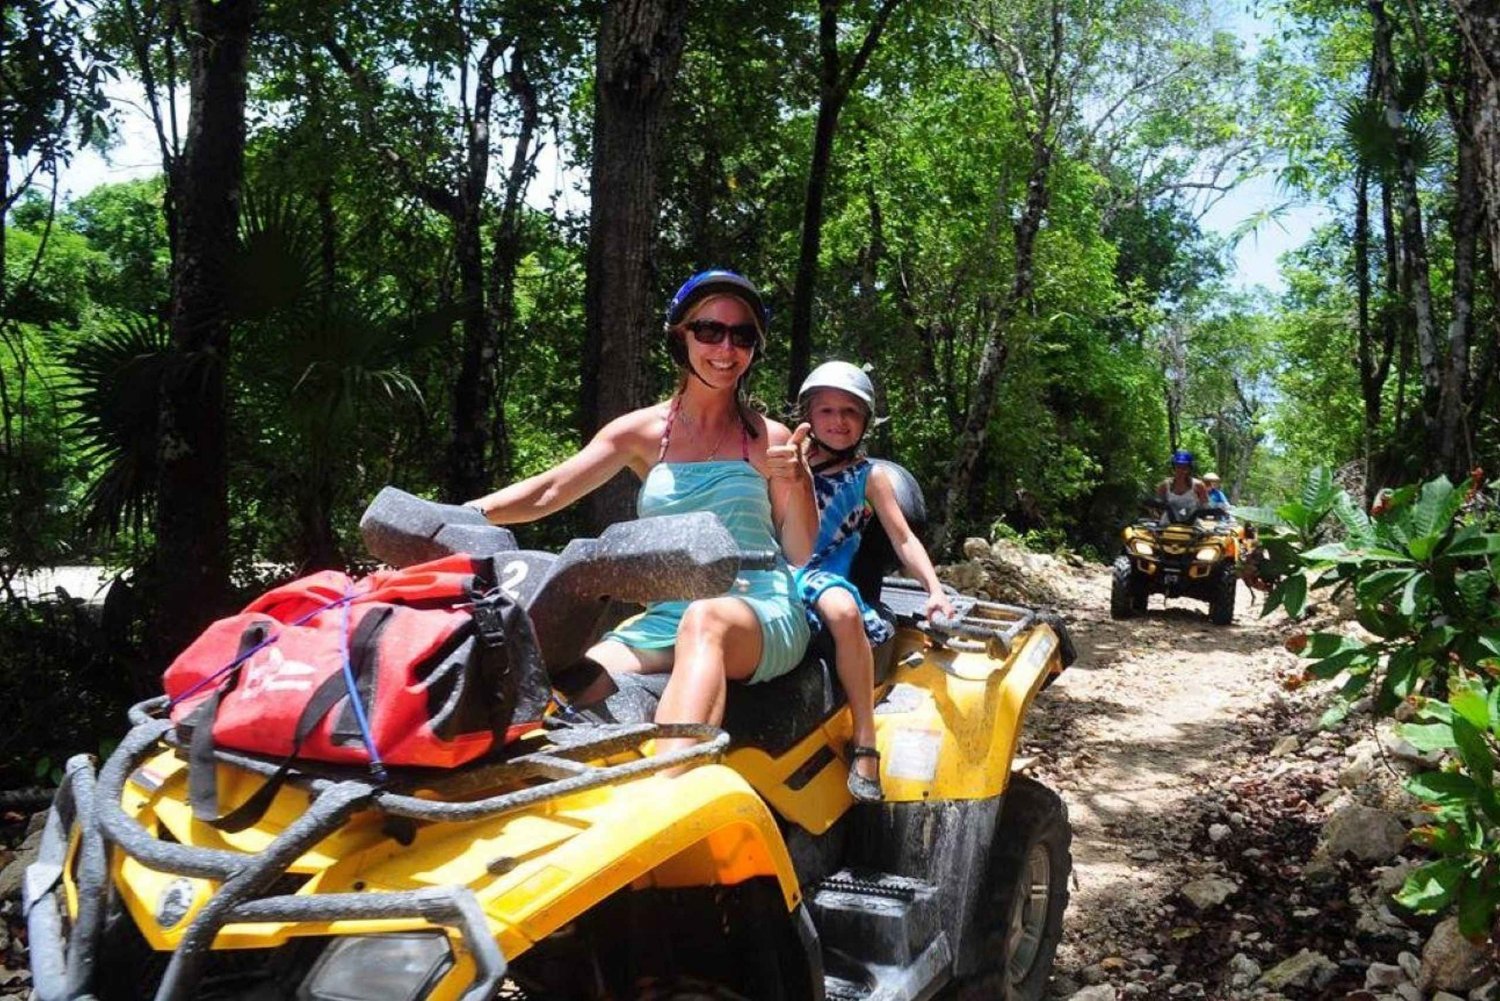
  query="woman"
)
[
  {"x": 704, "y": 449},
  {"x": 1182, "y": 492}
]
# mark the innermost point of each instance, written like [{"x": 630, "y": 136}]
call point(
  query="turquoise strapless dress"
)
[{"x": 736, "y": 492}]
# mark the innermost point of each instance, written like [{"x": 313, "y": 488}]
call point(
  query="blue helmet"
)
[
  {"x": 1182, "y": 457},
  {"x": 718, "y": 281}
]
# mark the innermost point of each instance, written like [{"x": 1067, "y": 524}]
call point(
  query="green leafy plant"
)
[{"x": 1426, "y": 586}]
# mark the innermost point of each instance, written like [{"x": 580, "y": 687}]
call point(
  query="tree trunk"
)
[
  {"x": 639, "y": 50},
  {"x": 835, "y": 83},
  {"x": 509, "y": 249},
  {"x": 800, "y": 361},
  {"x": 1368, "y": 388},
  {"x": 474, "y": 390},
  {"x": 192, "y": 513},
  {"x": 1454, "y": 451},
  {"x": 1479, "y": 22},
  {"x": 1413, "y": 239},
  {"x": 992, "y": 357}
]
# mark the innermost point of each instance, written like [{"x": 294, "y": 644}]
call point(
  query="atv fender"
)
[
  {"x": 705, "y": 827},
  {"x": 949, "y": 725}
]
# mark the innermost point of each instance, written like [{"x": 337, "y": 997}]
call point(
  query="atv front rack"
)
[
  {"x": 63, "y": 962},
  {"x": 977, "y": 625}
]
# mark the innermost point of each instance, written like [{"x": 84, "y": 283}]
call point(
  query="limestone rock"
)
[
  {"x": 1098, "y": 992},
  {"x": 1284, "y": 746},
  {"x": 967, "y": 577},
  {"x": 1368, "y": 834},
  {"x": 1383, "y": 975},
  {"x": 1305, "y": 969},
  {"x": 1451, "y": 962},
  {"x": 1209, "y": 892},
  {"x": 976, "y": 548},
  {"x": 1243, "y": 971}
]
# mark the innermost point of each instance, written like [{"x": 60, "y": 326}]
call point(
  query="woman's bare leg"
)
[
  {"x": 616, "y": 658},
  {"x": 855, "y": 664},
  {"x": 718, "y": 641}
]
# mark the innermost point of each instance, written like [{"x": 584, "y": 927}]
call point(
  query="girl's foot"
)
[{"x": 864, "y": 773}]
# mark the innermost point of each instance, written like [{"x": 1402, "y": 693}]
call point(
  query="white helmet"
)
[{"x": 840, "y": 375}]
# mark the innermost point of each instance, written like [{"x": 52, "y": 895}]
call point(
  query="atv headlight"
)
[
  {"x": 1142, "y": 548},
  {"x": 378, "y": 968},
  {"x": 1208, "y": 554}
]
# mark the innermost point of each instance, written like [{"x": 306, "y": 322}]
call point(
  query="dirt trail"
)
[{"x": 1136, "y": 736}]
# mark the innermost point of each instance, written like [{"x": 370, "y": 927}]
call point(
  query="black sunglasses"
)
[{"x": 741, "y": 335}]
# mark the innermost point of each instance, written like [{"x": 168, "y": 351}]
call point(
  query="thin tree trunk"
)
[
  {"x": 1453, "y": 403},
  {"x": 835, "y": 84},
  {"x": 800, "y": 360},
  {"x": 1413, "y": 239},
  {"x": 639, "y": 51},
  {"x": 474, "y": 389},
  {"x": 1479, "y": 22},
  {"x": 192, "y": 512},
  {"x": 1368, "y": 389},
  {"x": 996, "y": 349},
  {"x": 509, "y": 249}
]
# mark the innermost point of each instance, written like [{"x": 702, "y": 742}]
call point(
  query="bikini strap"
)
[
  {"x": 744, "y": 441},
  {"x": 666, "y": 432}
]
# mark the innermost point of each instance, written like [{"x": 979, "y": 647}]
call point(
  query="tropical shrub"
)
[{"x": 1422, "y": 569}]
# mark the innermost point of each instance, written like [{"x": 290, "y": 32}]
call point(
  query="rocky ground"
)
[{"x": 1223, "y": 846}]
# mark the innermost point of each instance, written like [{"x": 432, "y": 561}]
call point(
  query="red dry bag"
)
[{"x": 444, "y": 664}]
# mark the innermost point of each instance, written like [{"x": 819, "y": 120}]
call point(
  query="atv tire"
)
[
  {"x": 1019, "y": 912},
  {"x": 1126, "y": 597},
  {"x": 1221, "y": 604}
]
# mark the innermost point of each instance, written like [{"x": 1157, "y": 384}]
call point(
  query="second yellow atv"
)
[
  {"x": 1190, "y": 553},
  {"x": 568, "y": 866}
]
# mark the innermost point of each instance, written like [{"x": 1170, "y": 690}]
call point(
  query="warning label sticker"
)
[{"x": 913, "y": 755}]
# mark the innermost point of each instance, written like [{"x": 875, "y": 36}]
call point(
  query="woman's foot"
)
[{"x": 864, "y": 773}]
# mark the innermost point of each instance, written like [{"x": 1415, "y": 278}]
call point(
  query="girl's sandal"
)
[{"x": 862, "y": 789}]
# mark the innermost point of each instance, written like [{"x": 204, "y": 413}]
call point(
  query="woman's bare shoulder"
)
[{"x": 776, "y": 432}]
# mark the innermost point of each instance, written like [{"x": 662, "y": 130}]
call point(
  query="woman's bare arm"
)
[{"x": 616, "y": 446}]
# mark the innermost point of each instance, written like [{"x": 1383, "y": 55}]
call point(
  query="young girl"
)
[{"x": 838, "y": 400}]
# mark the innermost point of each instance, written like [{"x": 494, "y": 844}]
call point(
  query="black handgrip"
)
[{"x": 759, "y": 559}]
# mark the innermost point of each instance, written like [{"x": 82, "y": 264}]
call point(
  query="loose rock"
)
[
  {"x": 1364, "y": 832},
  {"x": 1098, "y": 992},
  {"x": 1306, "y": 969},
  {"x": 1210, "y": 892},
  {"x": 1451, "y": 962}
]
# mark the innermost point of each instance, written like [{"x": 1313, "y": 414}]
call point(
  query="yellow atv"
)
[
  {"x": 567, "y": 865},
  {"x": 1184, "y": 552}
]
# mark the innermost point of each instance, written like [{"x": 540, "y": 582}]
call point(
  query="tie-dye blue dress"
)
[{"x": 843, "y": 513}]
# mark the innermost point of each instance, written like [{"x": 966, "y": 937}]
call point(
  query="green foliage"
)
[{"x": 1423, "y": 573}]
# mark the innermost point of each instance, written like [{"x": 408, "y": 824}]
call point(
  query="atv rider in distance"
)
[
  {"x": 1216, "y": 496},
  {"x": 1182, "y": 492}
]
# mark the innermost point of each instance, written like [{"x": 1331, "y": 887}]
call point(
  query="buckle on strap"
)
[{"x": 489, "y": 621}]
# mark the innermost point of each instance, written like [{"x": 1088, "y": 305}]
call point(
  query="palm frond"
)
[
  {"x": 113, "y": 399},
  {"x": 277, "y": 266},
  {"x": 1368, "y": 134},
  {"x": 1411, "y": 86}
]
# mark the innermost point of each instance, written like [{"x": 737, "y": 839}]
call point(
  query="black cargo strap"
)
[{"x": 203, "y": 780}]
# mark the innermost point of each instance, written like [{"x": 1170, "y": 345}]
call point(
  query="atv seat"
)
[{"x": 774, "y": 715}]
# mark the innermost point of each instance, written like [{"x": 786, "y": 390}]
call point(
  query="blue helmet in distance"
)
[
  {"x": 719, "y": 281},
  {"x": 1182, "y": 457}
]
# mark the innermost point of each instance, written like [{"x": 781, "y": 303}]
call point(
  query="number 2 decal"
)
[{"x": 511, "y": 576}]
